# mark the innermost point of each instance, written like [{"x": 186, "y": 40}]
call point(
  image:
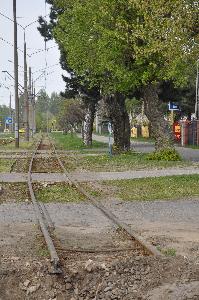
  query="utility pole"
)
[
  {"x": 32, "y": 107},
  {"x": 10, "y": 111},
  {"x": 34, "y": 120},
  {"x": 26, "y": 93},
  {"x": 30, "y": 99},
  {"x": 16, "y": 77}
]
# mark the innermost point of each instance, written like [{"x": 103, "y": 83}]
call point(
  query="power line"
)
[
  {"x": 42, "y": 50},
  {"x": 23, "y": 27},
  {"x": 40, "y": 70},
  {"x": 9, "y": 43},
  {"x": 29, "y": 55}
]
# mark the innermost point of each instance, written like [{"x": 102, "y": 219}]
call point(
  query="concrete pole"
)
[
  {"x": 16, "y": 77},
  {"x": 34, "y": 117},
  {"x": 10, "y": 110},
  {"x": 26, "y": 93},
  {"x": 30, "y": 99}
]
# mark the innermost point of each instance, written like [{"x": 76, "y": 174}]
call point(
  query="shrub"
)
[{"x": 168, "y": 154}]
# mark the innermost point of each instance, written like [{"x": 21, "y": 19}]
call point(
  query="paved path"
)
[
  {"x": 146, "y": 147},
  {"x": 97, "y": 176}
]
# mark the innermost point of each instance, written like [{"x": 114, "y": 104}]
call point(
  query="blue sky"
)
[{"x": 27, "y": 12}]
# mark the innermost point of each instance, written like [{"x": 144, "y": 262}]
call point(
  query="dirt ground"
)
[
  {"x": 25, "y": 265},
  {"x": 94, "y": 260},
  {"x": 24, "y": 273}
]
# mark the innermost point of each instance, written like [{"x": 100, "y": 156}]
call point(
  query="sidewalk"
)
[{"x": 97, "y": 176}]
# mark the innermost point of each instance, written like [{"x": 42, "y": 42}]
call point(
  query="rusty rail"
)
[
  {"x": 150, "y": 249},
  {"x": 41, "y": 219}
]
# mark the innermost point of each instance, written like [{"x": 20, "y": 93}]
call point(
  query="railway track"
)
[{"x": 45, "y": 222}]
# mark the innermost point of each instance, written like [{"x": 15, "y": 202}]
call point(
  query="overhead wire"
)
[{"x": 9, "y": 43}]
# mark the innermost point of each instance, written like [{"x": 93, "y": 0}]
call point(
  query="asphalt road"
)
[{"x": 145, "y": 147}]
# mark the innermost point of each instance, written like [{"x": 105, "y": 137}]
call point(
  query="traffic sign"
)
[
  {"x": 8, "y": 121},
  {"x": 173, "y": 106}
]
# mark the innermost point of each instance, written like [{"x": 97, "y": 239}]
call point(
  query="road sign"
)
[
  {"x": 173, "y": 106},
  {"x": 8, "y": 121}
]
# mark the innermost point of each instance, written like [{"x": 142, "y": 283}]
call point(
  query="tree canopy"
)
[{"x": 125, "y": 44}]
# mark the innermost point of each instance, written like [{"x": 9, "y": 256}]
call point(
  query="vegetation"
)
[
  {"x": 161, "y": 188},
  {"x": 22, "y": 145},
  {"x": 122, "y": 162},
  {"x": 5, "y": 165},
  {"x": 76, "y": 86},
  {"x": 72, "y": 142},
  {"x": 59, "y": 192},
  {"x": 167, "y": 251},
  {"x": 47, "y": 109},
  {"x": 16, "y": 192},
  {"x": 164, "y": 154},
  {"x": 4, "y": 112},
  {"x": 71, "y": 115},
  {"x": 128, "y": 45}
]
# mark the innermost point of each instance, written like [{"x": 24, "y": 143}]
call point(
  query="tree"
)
[
  {"x": 77, "y": 88},
  {"x": 4, "y": 112},
  {"x": 42, "y": 109},
  {"x": 71, "y": 115},
  {"x": 127, "y": 45},
  {"x": 55, "y": 102},
  {"x": 75, "y": 85}
]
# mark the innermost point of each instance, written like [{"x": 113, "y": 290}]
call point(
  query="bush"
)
[{"x": 169, "y": 154}]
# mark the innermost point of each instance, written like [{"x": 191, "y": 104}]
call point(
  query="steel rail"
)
[
  {"x": 20, "y": 157},
  {"x": 42, "y": 222},
  {"x": 150, "y": 249}
]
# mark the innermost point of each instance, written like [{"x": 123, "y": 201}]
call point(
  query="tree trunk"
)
[
  {"x": 160, "y": 128},
  {"x": 88, "y": 123},
  {"x": 115, "y": 106}
]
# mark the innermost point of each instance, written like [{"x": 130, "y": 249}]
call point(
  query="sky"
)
[{"x": 27, "y": 12}]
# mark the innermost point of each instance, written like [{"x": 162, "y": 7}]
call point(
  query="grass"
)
[
  {"x": 14, "y": 192},
  {"x": 22, "y": 145},
  {"x": 5, "y": 165},
  {"x": 6, "y": 135},
  {"x": 168, "y": 251},
  {"x": 72, "y": 142},
  {"x": 122, "y": 162},
  {"x": 195, "y": 147},
  {"x": 162, "y": 188},
  {"x": 59, "y": 192},
  {"x": 41, "y": 247}
]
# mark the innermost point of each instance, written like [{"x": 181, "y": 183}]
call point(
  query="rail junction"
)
[
  {"x": 120, "y": 244},
  {"x": 45, "y": 147}
]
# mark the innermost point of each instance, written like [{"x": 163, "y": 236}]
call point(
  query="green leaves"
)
[{"x": 124, "y": 44}]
